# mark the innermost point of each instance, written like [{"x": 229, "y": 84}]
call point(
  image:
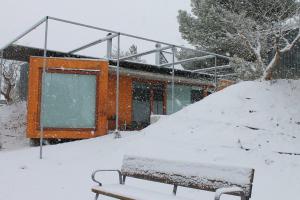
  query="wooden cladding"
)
[
  {"x": 67, "y": 66},
  {"x": 105, "y": 111}
]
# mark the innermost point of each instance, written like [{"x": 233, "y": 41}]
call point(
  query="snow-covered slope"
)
[
  {"x": 251, "y": 124},
  {"x": 256, "y": 115}
]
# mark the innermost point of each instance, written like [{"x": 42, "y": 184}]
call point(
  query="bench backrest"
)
[{"x": 208, "y": 177}]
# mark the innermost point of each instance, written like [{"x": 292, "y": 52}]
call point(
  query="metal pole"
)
[
  {"x": 109, "y": 47},
  {"x": 187, "y": 60},
  {"x": 25, "y": 33},
  {"x": 117, "y": 134},
  {"x": 1, "y": 65},
  {"x": 134, "y": 36},
  {"x": 145, "y": 53},
  {"x": 173, "y": 74},
  {"x": 82, "y": 25},
  {"x": 109, "y": 37},
  {"x": 212, "y": 68},
  {"x": 43, "y": 91},
  {"x": 215, "y": 74},
  {"x": 157, "y": 54}
]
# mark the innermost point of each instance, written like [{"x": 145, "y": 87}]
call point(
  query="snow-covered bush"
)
[{"x": 246, "y": 70}]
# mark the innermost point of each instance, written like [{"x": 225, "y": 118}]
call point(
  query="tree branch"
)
[{"x": 289, "y": 46}]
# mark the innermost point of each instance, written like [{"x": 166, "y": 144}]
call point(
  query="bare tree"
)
[{"x": 10, "y": 75}]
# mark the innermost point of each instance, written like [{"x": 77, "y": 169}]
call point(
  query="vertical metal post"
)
[
  {"x": 157, "y": 54},
  {"x": 109, "y": 48},
  {"x": 173, "y": 74},
  {"x": 43, "y": 90},
  {"x": 1, "y": 65},
  {"x": 215, "y": 74},
  {"x": 117, "y": 134}
]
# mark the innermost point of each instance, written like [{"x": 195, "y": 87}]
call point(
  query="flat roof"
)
[{"x": 23, "y": 53}]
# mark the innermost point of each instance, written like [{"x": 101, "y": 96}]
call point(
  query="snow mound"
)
[{"x": 13, "y": 126}]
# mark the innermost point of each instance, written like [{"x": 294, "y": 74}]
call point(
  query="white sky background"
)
[{"x": 155, "y": 19}]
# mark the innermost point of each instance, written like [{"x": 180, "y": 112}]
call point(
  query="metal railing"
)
[{"x": 112, "y": 35}]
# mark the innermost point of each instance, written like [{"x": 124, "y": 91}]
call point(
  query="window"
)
[
  {"x": 141, "y": 103},
  {"x": 69, "y": 100},
  {"x": 158, "y": 99},
  {"x": 148, "y": 98},
  {"x": 196, "y": 95},
  {"x": 184, "y": 95}
]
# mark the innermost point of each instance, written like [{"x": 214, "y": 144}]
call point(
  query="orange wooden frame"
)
[{"x": 70, "y": 66}]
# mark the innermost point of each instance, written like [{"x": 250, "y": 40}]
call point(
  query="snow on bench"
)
[{"x": 222, "y": 179}]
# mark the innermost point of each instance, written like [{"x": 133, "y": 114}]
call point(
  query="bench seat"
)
[
  {"x": 127, "y": 192},
  {"x": 220, "y": 179}
]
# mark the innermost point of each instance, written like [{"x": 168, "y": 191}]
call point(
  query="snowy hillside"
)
[
  {"x": 251, "y": 124},
  {"x": 256, "y": 115}
]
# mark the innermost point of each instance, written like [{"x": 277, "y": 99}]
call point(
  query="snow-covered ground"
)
[
  {"x": 13, "y": 126},
  {"x": 250, "y": 124}
]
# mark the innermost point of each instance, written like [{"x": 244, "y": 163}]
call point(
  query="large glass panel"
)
[
  {"x": 158, "y": 99},
  {"x": 69, "y": 100},
  {"x": 141, "y": 104},
  {"x": 182, "y": 97}
]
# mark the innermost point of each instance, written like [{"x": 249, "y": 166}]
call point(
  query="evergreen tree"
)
[
  {"x": 131, "y": 51},
  {"x": 249, "y": 29}
]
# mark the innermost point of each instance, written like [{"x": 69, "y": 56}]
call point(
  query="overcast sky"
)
[{"x": 150, "y": 18}]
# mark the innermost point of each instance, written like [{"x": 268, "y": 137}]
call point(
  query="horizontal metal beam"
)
[
  {"x": 25, "y": 33},
  {"x": 218, "y": 75},
  {"x": 94, "y": 43},
  {"x": 155, "y": 76},
  {"x": 167, "y": 52},
  {"x": 136, "y": 37},
  {"x": 146, "y": 53},
  {"x": 225, "y": 75},
  {"x": 206, "y": 52},
  {"x": 177, "y": 46},
  {"x": 213, "y": 68},
  {"x": 187, "y": 60},
  {"x": 82, "y": 25}
]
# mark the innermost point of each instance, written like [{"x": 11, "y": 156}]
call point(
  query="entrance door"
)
[
  {"x": 148, "y": 98},
  {"x": 157, "y": 97},
  {"x": 141, "y": 104}
]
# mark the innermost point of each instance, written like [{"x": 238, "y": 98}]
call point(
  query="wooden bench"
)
[{"x": 219, "y": 179}]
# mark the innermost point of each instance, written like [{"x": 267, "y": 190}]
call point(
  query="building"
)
[
  {"x": 72, "y": 96},
  {"x": 80, "y": 95}
]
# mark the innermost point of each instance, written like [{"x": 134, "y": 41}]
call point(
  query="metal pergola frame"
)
[{"x": 112, "y": 35}]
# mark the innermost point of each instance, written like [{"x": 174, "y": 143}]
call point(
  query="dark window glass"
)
[
  {"x": 146, "y": 96},
  {"x": 141, "y": 104},
  {"x": 158, "y": 99},
  {"x": 196, "y": 95}
]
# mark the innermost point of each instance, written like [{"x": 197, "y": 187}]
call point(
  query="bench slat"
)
[
  {"x": 101, "y": 190},
  {"x": 126, "y": 192},
  {"x": 202, "y": 176}
]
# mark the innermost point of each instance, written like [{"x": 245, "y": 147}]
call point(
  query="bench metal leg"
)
[
  {"x": 238, "y": 190},
  {"x": 174, "y": 189},
  {"x": 124, "y": 179},
  {"x": 96, "y": 196}
]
